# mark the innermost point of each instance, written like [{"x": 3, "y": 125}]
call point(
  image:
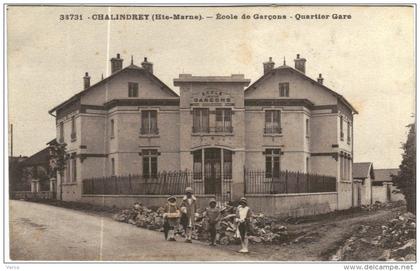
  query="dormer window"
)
[
  {"x": 284, "y": 89},
  {"x": 133, "y": 89}
]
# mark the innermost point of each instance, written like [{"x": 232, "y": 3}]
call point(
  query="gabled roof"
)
[
  {"x": 189, "y": 78},
  {"x": 363, "y": 171},
  {"x": 131, "y": 67},
  {"x": 385, "y": 175},
  {"x": 39, "y": 158},
  {"x": 285, "y": 67}
]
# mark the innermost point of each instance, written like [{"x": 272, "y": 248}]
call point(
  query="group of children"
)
[{"x": 185, "y": 215}]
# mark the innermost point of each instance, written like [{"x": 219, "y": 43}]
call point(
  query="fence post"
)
[
  {"x": 130, "y": 189},
  {"x": 245, "y": 180},
  {"x": 308, "y": 190},
  {"x": 116, "y": 185},
  {"x": 103, "y": 185},
  {"x": 297, "y": 182},
  {"x": 164, "y": 182},
  {"x": 285, "y": 183}
]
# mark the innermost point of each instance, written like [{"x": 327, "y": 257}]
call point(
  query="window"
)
[
  {"x": 307, "y": 128},
  {"x": 272, "y": 163},
  {"x": 347, "y": 168},
  {"x": 73, "y": 129},
  {"x": 341, "y": 128},
  {"x": 149, "y": 122},
  {"x": 74, "y": 170},
  {"x": 227, "y": 164},
  {"x": 198, "y": 164},
  {"x": 344, "y": 167},
  {"x": 61, "y": 139},
  {"x": 200, "y": 120},
  {"x": 284, "y": 89},
  {"x": 133, "y": 89},
  {"x": 348, "y": 132},
  {"x": 112, "y": 129},
  {"x": 224, "y": 120},
  {"x": 112, "y": 167},
  {"x": 272, "y": 122},
  {"x": 67, "y": 178},
  {"x": 150, "y": 163}
]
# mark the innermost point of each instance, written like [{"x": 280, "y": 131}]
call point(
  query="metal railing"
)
[
  {"x": 149, "y": 131},
  {"x": 212, "y": 130},
  {"x": 286, "y": 182},
  {"x": 272, "y": 130},
  {"x": 164, "y": 183}
]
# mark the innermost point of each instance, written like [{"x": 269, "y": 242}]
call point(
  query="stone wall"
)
[
  {"x": 126, "y": 201},
  {"x": 294, "y": 204},
  {"x": 280, "y": 205}
]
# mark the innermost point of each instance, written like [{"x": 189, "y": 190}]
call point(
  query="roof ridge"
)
[
  {"x": 131, "y": 66},
  {"x": 284, "y": 67}
]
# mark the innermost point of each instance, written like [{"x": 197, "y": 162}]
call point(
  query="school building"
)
[{"x": 215, "y": 126}]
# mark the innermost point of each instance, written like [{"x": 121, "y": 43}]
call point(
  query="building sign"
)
[{"x": 211, "y": 97}]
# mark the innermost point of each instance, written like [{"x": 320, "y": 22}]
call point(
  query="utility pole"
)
[{"x": 11, "y": 140}]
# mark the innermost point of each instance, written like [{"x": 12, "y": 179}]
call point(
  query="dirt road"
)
[
  {"x": 43, "y": 232},
  {"x": 323, "y": 236}
]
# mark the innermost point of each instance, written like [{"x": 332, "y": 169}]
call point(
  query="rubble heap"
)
[
  {"x": 396, "y": 240},
  {"x": 264, "y": 229},
  {"x": 141, "y": 216},
  {"x": 381, "y": 205}
]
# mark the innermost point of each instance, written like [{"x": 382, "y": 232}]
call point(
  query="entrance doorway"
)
[
  {"x": 214, "y": 167},
  {"x": 212, "y": 171}
]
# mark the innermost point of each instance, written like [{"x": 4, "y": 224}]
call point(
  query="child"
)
[
  {"x": 243, "y": 219},
  {"x": 213, "y": 216},
  {"x": 189, "y": 202},
  {"x": 171, "y": 216}
]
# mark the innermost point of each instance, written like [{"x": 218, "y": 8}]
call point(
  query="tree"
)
[
  {"x": 57, "y": 162},
  {"x": 406, "y": 178}
]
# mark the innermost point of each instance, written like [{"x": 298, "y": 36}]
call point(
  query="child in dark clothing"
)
[
  {"x": 213, "y": 217},
  {"x": 171, "y": 217}
]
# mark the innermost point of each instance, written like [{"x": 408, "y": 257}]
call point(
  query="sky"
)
[{"x": 369, "y": 59}]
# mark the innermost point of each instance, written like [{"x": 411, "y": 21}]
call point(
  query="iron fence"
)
[
  {"x": 286, "y": 182},
  {"x": 174, "y": 183},
  {"x": 164, "y": 183}
]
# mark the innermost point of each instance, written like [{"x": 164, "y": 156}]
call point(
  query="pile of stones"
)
[
  {"x": 398, "y": 238},
  {"x": 263, "y": 229}
]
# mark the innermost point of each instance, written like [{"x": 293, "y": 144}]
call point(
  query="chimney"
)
[
  {"x": 148, "y": 66},
  {"x": 268, "y": 66},
  {"x": 116, "y": 63},
  {"x": 86, "y": 81},
  {"x": 300, "y": 63},
  {"x": 320, "y": 79}
]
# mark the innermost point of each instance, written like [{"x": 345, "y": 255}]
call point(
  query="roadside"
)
[
  {"x": 321, "y": 239},
  {"x": 313, "y": 238},
  {"x": 79, "y": 206},
  {"x": 40, "y": 232}
]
